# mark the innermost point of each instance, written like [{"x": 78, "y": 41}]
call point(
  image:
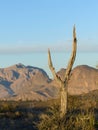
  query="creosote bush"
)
[
  {"x": 78, "y": 117},
  {"x": 8, "y": 106},
  {"x": 51, "y": 120},
  {"x": 79, "y": 121}
]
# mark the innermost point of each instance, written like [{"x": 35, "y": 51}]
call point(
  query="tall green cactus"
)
[{"x": 64, "y": 83}]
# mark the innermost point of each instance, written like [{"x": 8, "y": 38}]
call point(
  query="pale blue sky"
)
[
  {"x": 28, "y": 26},
  {"x": 37, "y": 24}
]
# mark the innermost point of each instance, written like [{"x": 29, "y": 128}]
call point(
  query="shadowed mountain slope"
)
[{"x": 20, "y": 82}]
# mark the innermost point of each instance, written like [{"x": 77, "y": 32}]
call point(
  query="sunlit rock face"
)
[
  {"x": 20, "y": 82},
  {"x": 83, "y": 79}
]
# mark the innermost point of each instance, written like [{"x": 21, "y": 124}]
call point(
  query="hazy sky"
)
[
  {"x": 28, "y": 26},
  {"x": 34, "y": 25}
]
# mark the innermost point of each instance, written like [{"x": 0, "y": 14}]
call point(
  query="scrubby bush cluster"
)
[{"x": 81, "y": 115}]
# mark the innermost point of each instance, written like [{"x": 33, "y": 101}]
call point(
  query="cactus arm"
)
[
  {"x": 72, "y": 58},
  {"x": 55, "y": 76}
]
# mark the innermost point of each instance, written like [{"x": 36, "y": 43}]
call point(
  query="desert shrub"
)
[
  {"x": 51, "y": 120},
  {"x": 83, "y": 120},
  {"x": 8, "y": 106}
]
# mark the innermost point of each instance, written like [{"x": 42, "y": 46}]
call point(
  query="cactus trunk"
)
[
  {"x": 63, "y": 99},
  {"x": 64, "y": 84}
]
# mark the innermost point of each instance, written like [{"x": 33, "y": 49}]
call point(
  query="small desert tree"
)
[{"x": 64, "y": 83}]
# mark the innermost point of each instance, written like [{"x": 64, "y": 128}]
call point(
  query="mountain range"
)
[{"x": 20, "y": 82}]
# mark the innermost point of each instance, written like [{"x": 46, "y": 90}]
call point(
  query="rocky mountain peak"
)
[
  {"x": 83, "y": 79},
  {"x": 20, "y": 82}
]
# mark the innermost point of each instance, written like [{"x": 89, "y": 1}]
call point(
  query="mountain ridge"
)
[
  {"x": 20, "y": 82},
  {"x": 83, "y": 79}
]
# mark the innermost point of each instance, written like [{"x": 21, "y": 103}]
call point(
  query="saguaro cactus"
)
[{"x": 64, "y": 83}]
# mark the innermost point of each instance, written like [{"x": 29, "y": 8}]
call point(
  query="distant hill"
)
[
  {"x": 20, "y": 82},
  {"x": 83, "y": 79}
]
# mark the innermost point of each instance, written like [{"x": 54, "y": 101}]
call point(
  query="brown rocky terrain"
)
[
  {"x": 83, "y": 79},
  {"x": 20, "y": 82}
]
